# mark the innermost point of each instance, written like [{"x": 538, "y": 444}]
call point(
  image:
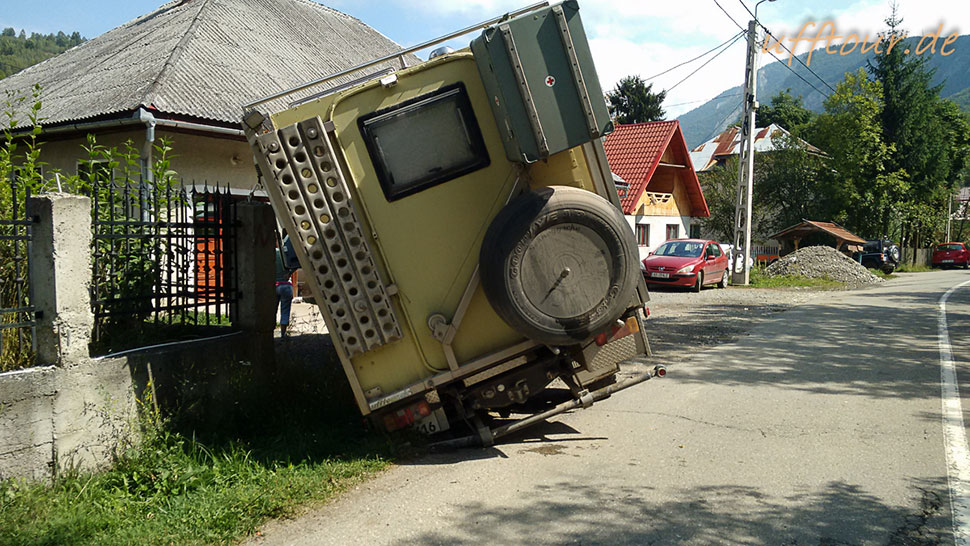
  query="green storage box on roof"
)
[{"x": 538, "y": 71}]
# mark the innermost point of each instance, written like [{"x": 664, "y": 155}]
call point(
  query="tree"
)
[
  {"x": 720, "y": 186},
  {"x": 18, "y": 51},
  {"x": 633, "y": 101},
  {"x": 865, "y": 191},
  {"x": 784, "y": 110},
  {"x": 792, "y": 182},
  {"x": 925, "y": 136}
]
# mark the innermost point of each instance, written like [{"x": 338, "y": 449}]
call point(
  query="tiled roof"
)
[
  {"x": 726, "y": 144},
  {"x": 807, "y": 227},
  {"x": 634, "y": 152},
  {"x": 200, "y": 58}
]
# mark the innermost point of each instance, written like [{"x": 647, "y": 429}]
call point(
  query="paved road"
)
[{"x": 823, "y": 426}]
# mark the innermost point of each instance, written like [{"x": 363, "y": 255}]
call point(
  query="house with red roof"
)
[
  {"x": 661, "y": 196},
  {"x": 727, "y": 144}
]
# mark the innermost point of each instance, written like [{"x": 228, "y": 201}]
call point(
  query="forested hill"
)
[
  {"x": 18, "y": 51},
  {"x": 704, "y": 122}
]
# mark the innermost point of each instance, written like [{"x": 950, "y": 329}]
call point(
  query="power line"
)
[
  {"x": 790, "y": 69},
  {"x": 745, "y": 6},
  {"x": 704, "y": 100},
  {"x": 729, "y": 17},
  {"x": 797, "y": 58},
  {"x": 691, "y": 60},
  {"x": 772, "y": 53},
  {"x": 718, "y": 124},
  {"x": 736, "y": 38}
]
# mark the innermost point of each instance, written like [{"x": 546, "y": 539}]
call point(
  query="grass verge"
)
[
  {"x": 913, "y": 268},
  {"x": 304, "y": 445},
  {"x": 760, "y": 280},
  {"x": 881, "y": 274}
]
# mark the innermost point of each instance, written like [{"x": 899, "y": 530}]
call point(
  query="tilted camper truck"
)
[{"x": 458, "y": 225}]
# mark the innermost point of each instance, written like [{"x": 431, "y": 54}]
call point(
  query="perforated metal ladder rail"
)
[{"x": 309, "y": 182}]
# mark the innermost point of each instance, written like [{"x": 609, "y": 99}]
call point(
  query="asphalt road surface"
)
[{"x": 822, "y": 425}]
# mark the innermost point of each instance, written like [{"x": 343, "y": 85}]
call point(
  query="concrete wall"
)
[{"x": 80, "y": 413}]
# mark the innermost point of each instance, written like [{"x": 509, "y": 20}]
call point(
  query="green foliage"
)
[
  {"x": 866, "y": 192},
  {"x": 928, "y": 140},
  {"x": 128, "y": 270},
  {"x": 633, "y": 101},
  {"x": 785, "y": 110},
  {"x": 720, "y": 186},
  {"x": 913, "y": 268},
  {"x": 962, "y": 100},
  {"x": 19, "y": 161},
  {"x": 173, "y": 489},
  {"x": 793, "y": 184},
  {"x": 17, "y": 52},
  {"x": 760, "y": 280}
]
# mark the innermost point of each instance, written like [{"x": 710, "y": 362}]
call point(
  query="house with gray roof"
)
[{"x": 183, "y": 72}]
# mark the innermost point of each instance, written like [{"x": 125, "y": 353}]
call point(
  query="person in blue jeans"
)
[{"x": 286, "y": 264}]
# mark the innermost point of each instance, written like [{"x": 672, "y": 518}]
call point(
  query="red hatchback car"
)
[
  {"x": 951, "y": 255},
  {"x": 687, "y": 262}
]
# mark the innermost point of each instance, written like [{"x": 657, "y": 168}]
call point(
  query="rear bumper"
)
[{"x": 940, "y": 262}]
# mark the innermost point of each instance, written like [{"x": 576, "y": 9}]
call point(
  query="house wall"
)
[
  {"x": 657, "y": 214},
  {"x": 194, "y": 157},
  {"x": 658, "y": 229}
]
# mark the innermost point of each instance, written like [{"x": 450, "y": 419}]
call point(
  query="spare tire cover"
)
[{"x": 559, "y": 265}]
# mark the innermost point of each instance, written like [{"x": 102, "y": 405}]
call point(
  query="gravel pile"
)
[{"x": 822, "y": 261}]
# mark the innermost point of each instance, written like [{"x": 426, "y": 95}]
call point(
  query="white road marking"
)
[{"x": 954, "y": 433}]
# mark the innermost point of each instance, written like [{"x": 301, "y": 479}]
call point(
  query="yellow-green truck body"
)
[{"x": 388, "y": 189}]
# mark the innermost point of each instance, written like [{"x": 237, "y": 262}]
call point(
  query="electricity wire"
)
[
  {"x": 655, "y": 76},
  {"x": 790, "y": 69},
  {"x": 785, "y": 48},
  {"x": 736, "y": 38}
]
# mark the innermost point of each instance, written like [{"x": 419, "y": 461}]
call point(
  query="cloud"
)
[{"x": 641, "y": 37}]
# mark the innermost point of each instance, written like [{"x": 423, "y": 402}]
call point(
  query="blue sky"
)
[{"x": 641, "y": 37}]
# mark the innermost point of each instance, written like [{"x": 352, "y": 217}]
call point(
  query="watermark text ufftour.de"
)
[{"x": 825, "y": 33}]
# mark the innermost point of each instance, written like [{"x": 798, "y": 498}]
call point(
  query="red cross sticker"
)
[{"x": 550, "y": 81}]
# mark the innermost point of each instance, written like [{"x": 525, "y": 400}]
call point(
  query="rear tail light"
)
[
  {"x": 406, "y": 416},
  {"x": 616, "y": 332}
]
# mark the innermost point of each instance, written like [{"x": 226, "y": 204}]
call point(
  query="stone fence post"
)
[
  {"x": 255, "y": 312},
  {"x": 60, "y": 273}
]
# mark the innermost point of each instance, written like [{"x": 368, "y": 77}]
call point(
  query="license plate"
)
[
  {"x": 948, "y": 261},
  {"x": 437, "y": 421},
  {"x": 663, "y": 275}
]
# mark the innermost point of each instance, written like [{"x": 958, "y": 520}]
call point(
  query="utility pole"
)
[
  {"x": 949, "y": 213},
  {"x": 742, "y": 214}
]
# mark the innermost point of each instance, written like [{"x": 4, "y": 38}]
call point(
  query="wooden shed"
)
[{"x": 800, "y": 231}]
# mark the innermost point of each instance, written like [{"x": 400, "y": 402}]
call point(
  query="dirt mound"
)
[{"x": 822, "y": 261}]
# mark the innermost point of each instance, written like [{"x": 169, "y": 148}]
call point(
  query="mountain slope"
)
[{"x": 704, "y": 122}]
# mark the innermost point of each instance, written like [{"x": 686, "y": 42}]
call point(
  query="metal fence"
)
[
  {"x": 17, "y": 325},
  {"x": 164, "y": 254}
]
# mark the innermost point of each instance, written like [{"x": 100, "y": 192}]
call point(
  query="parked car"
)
[
  {"x": 687, "y": 262},
  {"x": 951, "y": 255},
  {"x": 880, "y": 254}
]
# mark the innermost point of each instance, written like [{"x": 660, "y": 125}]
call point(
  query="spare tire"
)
[
  {"x": 894, "y": 253},
  {"x": 559, "y": 265}
]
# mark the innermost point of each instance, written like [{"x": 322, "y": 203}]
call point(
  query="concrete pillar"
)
[
  {"x": 60, "y": 272},
  {"x": 256, "y": 310}
]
